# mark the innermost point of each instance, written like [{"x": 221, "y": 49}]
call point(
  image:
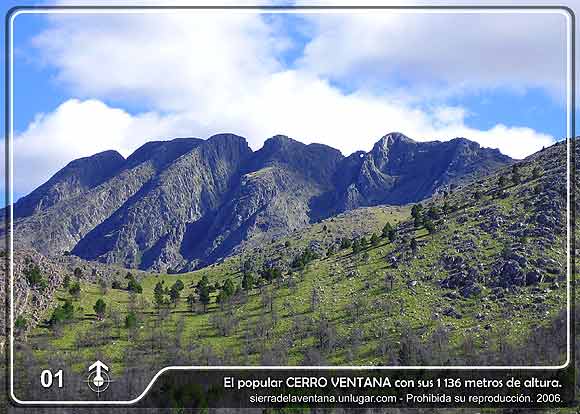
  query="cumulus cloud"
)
[
  {"x": 200, "y": 74},
  {"x": 82, "y": 128},
  {"x": 459, "y": 52}
]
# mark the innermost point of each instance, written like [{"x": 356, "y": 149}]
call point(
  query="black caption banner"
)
[{"x": 352, "y": 389}]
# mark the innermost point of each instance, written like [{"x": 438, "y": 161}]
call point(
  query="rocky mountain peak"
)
[
  {"x": 228, "y": 138},
  {"x": 315, "y": 161},
  {"x": 279, "y": 142},
  {"x": 394, "y": 138},
  {"x": 161, "y": 153},
  {"x": 75, "y": 178}
]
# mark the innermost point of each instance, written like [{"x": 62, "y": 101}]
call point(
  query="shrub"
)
[
  {"x": 75, "y": 290},
  {"x": 303, "y": 259},
  {"x": 20, "y": 323},
  {"x": 130, "y": 320},
  {"x": 62, "y": 313},
  {"x": 33, "y": 275},
  {"x": 134, "y": 286},
  {"x": 345, "y": 243},
  {"x": 178, "y": 285},
  {"x": 248, "y": 281},
  {"x": 66, "y": 282}
]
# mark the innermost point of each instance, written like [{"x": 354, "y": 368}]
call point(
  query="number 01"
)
[{"x": 46, "y": 378}]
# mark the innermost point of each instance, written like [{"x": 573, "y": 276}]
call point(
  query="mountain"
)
[
  {"x": 399, "y": 170},
  {"x": 76, "y": 178},
  {"x": 177, "y": 205}
]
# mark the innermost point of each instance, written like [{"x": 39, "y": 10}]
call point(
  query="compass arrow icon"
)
[{"x": 98, "y": 379}]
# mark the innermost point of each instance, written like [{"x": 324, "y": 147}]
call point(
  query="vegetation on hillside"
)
[{"x": 473, "y": 275}]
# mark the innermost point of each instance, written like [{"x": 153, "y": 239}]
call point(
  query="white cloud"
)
[
  {"x": 173, "y": 62},
  {"x": 215, "y": 72},
  {"x": 456, "y": 52},
  {"x": 79, "y": 129},
  {"x": 82, "y": 128}
]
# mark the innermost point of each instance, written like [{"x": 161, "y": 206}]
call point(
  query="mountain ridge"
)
[{"x": 189, "y": 202}]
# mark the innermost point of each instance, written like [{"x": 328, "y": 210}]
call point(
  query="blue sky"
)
[{"x": 83, "y": 84}]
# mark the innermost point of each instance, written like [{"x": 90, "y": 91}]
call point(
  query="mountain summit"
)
[{"x": 176, "y": 205}]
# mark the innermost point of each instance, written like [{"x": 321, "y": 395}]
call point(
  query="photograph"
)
[{"x": 284, "y": 187}]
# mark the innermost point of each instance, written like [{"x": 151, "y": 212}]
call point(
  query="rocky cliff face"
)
[
  {"x": 399, "y": 170},
  {"x": 174, "y": 205},
  {"x": 76, "y": 178},
  {"x": 149, "y": 230}
]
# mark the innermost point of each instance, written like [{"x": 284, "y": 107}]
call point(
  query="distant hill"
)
[{"x": 177, "y": 205}]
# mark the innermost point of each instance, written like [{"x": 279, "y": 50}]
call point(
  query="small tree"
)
[
  {"x": 271, "y": 273},
  {"x": 418, "y": 221},
  {"x": 75, "y": 290},
  {"x": 20, "y": 323},
  {"x": 229, "y": 288},
  {"x": 356, "y": 246},
  {"x": 33, "y": 275},
  {"x": 102, "y": 287},
  {"x": 174, "y": 295},
  {"x": 392, "y": 235},
  {"x": 536, "y": 172},
  {"x": 78, "y": 272},
  {"x": 248, "y": 281},
  {"x": 131, "y": 320},
  {"x": 222, "y": 298},
  {"x": 179, "y": 285},
  {"x": 191, "y": 301},
  {"x": 345, "y": 243},
  {"x": 204, "y": 297},
  {"x": 116, "y": 284},
  {"x": 204, "y": 282},
  {"x": 502, "y": 181},
  {"x": 134, "y": 286},
  {"x": 314, "y": 299},
  {"x": 434, "y": 213},
  {"x": 386, "y": 229},
  {"x": 66, "y": 282},
  {"x": 62, "y": 313},
  {"x": 374, "y": 239},
  {"x": 416, "y": 210},
  {"x": 159, "y": 294},
  {"x": 100, "y": 307}
]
